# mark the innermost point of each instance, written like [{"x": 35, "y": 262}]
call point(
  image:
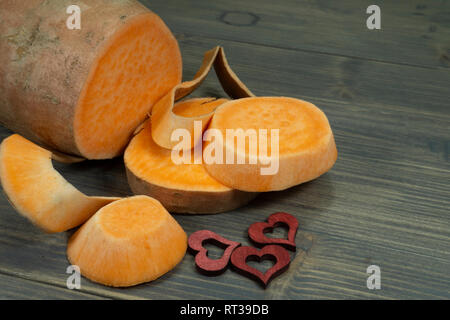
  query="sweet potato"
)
[
  {"x": 306, "y": 147},
  {"x": 84, "y": 91},
  {"x": 38, "y": 191},
  {"x": 181, "y": 188},
  {"x": 127, "y": 242}
]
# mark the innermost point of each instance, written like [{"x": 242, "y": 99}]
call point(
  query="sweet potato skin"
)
[
  {"x": 190, "y": 202},
  {"x": 44, "y": 65}
]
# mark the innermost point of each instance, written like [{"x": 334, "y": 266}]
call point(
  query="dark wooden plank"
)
[
  {"x": 273, "y": 71},
  {"x": 344, "y": 244},
  {"x": 385, "y": 202},
  {"x": 17, "y": 288},
  {"x": 336, "y": 269},
  {"x": 413, "y": 32}
]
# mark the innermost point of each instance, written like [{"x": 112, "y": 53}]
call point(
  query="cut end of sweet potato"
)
[
  {"x": 140, "y": 64},
  {"x": 38, "y": 191},
  {"x": 181, "y": 188},
  {"x": 130, "y": 241},
  {"x": 305, "y": 143}
]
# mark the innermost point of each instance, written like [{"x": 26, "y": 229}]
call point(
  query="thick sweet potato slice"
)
[
  {"x": 38, "y": 191},
  {"x": 306, "y": 143},
  {"x": 165, "y": 120},
  {"x": 181, "y": 188},
  {"x": 127, "y": 242},
  {"x": 83, "y": 92}
]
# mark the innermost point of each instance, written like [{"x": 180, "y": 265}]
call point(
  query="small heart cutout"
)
[
  {"x": 257, "y": 229},
  {"x": 204, "y": 263},
  {"x": 242, "y": 255}
]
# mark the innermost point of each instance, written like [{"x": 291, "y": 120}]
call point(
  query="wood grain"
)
[
  {"x": 275, "y": 71},
  {"x": 386, "y": 201},
  {"x": 17, "y": 288},
  {"x": 413, "y": 32}
]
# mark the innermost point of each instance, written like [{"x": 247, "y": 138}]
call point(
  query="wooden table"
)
[{"x": 386, "y": 201}]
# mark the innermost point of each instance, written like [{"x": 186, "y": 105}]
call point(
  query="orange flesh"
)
[
  {"x": 197, "y": 107},
  {"x": 22, "y": 165},
  {"x": 154, "y": 164},
  {"x": 38, "y": 191},
  {"x": 132, "y": 219},
  {"x": 131, "y": 241},
  {"x": 139, "y": 66},
  {"x": 301, "y": 125},
  {"x": 306, "y": 143}
]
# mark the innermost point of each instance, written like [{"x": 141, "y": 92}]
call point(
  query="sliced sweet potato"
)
[
  {"x": 306, "y": 143},
  {"x": 181, "y": 188},
  {"x": 127, "y": 242},
  {"x": 83, "y": 92},
  {"x": 38, "y": 191}
]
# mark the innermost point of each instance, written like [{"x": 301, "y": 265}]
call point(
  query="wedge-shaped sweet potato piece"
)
[
  {"x": 38, "y": 191},
  {"x": 306, "y": 147},
  {"x": 127, "y": 242},
  {"x": 181, "y": 188}
]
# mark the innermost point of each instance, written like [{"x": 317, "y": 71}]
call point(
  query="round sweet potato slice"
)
[{"x": 306, "y": 146}]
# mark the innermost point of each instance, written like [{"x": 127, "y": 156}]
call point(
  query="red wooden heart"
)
[
  {"x": 257, "y": 229},
  {"x": 241, "y": 255},
  {"x": 206, "y": 265}
]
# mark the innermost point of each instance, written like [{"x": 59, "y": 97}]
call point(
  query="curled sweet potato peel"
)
[{"x": 165, "y": 121}]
